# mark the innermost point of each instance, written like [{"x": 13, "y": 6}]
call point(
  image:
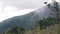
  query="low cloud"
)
[{"x": 24, "y": 4}]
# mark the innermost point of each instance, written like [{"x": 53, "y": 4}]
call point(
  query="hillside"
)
[
  {"x": 27, "y": 21},
  {"x": 38, "y": 20},
  {"x": 47, "y": 28}
]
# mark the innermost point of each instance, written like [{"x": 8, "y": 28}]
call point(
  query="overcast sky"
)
[
  {"x": 10, "y": 8},
  {"x": 23, "y": 4}
]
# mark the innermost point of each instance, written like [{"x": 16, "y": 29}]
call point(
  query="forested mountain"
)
[
  {"x": 27, "y": 21},
  {"x": 39, "y": 20}
]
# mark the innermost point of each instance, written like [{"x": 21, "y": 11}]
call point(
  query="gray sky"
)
[
  {"x": 24, "y": 4},
  {"x": 11, "y": 8}
]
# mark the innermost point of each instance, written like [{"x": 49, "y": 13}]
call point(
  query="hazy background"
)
[{"x": 10, "y": 8}]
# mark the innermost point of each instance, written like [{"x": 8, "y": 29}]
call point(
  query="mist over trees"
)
[{"x": 50, "y": 25}]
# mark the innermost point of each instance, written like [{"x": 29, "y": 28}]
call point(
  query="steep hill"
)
[{"x": 27, "y": 21}]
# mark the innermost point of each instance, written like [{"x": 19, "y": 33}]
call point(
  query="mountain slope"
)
[{"x": 27, "y": 21}]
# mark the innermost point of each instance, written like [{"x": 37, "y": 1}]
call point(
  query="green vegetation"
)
[
  {"x": 15, "y": 30},
  {"x": 41, "y": 28},
  {"x": 46, "y": 22},
  {"x": 58, "y": 32},
  {"x": 45, "y": 26}
]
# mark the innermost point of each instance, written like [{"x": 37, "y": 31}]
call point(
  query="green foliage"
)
[
  {"x": 42, "y": 24},
  {"x": 58, "y": 32},
  {"x": 45, "y": 22},
  {"x": 15, "y": 30}
]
